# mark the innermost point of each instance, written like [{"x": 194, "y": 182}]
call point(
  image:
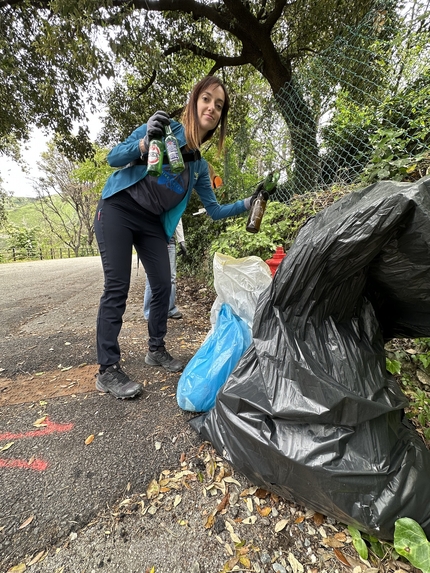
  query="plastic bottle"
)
[
  {"x": 259, "y": 206},
  {"x": 173, "y": 150},
  {"x": 155, "y": 157}
]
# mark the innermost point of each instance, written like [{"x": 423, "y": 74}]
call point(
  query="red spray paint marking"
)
[
  {"x": 50, "y": 428},
  {"x": 36, "y": 464}
]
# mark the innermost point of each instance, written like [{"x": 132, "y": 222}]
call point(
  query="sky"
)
[{"x": 20, "y": 183}]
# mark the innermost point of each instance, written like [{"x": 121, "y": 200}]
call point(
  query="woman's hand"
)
[{"x": 155, "y": 126}]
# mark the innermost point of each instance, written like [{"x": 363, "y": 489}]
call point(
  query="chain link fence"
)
[{"x": 359, "y": 112}]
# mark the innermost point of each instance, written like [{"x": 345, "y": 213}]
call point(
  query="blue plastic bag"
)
[{"x": 213, "y": 362}]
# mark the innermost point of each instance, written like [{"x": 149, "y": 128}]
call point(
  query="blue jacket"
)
[{"x": 128, "y": 151}]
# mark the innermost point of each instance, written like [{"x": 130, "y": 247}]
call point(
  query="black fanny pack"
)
[{"x": 187, "y": 157}]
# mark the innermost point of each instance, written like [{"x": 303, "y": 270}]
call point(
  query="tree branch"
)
[{"x": 220, "y": 60}]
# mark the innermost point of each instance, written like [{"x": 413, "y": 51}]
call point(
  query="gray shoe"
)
[
  {"x": 115, "y": 381},
  {"x": 175, "y": 315},
  {"x": 164, "y": 359}
]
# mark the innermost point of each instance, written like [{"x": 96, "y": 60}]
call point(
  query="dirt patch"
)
[{"x": 45, "y": 385}]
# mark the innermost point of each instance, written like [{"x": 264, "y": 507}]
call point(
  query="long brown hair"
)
[{"x": 190, "y": 120}]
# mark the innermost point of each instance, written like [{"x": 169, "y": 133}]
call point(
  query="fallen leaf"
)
[
  {"x": 26, "y": 522},
  {"x": 7, "y": 446},
  {"x": 232, "y": 562},
  {"x": 37, "y": 558},
  {"x": 153, "y": 489},
  {"x": 182, "y": 458},
  {"x": 89, "y": 439},
  {"x": 222, "y": 505},
  {"x": 249, "y": 504},
  {"x": 210, "y": 521},
  {"x": 210, "y": 468},
  {"x": 177, "y": 501},
  {"x": 340, "y": 536},
  {"x": 245, "y": 561},
  {"x": 235, "y": 538},
  {"x": 38, "y": 423},
  {"x": 299, "y": 519},
  {"x": 332, "y": 542},
  {"x": 281, "y": 525},
  {"x": 264, "y": 511},
  {"x": 318, "y": 518},
  {"x": 229, "y": 479},
  {"x": 17, "y": 568},
  {"x": 261, "y": 493},
  {"x": 341, "y": 557},
  {"x": 250, "y": 520},
  {"x": 295, "y": 564}
]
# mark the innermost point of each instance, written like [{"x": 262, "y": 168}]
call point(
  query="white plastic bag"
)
[{"x": 239, "y": 283}]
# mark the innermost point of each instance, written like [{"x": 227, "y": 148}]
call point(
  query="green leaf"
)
[
  {"x": 393, "y": 366},
  {"x": 361, "y": 548},
  {"x": 411, "y": 542},
  {"x": 358, "y": 542}
]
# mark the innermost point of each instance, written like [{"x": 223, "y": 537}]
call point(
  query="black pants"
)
[{"x": 119, "y": 224}]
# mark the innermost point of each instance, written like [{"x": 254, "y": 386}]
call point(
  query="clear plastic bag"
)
[{"x": 239, "y": 283}]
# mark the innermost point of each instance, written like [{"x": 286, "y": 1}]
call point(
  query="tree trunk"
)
[{"x": 303, "y": 131}]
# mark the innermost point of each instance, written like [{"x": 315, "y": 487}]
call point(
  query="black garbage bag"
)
[{"x": 310, "y": 411}]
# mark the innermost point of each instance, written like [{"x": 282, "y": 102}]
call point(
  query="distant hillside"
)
[{"x": 21, "y": 212}]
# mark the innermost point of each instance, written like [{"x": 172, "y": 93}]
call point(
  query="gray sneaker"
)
[
  {"x": 116, "y": 381},
  {"x": 164, "y": 359}
]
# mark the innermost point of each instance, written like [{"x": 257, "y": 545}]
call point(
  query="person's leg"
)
[
  {"x": 115, "y": 244},
  {"x": 151, "y": 247},
  {"x": 173, "y": 310},
  {"x": 147, "y": 298}
]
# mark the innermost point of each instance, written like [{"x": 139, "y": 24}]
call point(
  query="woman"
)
[{"x": 139, "y": 210}]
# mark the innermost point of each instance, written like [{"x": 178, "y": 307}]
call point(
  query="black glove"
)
[
  {"x": 183, "y": 249},
  {"x": 155, "y": 126},
  {"x": 257, "y": 191},
  {"x": 268, "y": 186}
]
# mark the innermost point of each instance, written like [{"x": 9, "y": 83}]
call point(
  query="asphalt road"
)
[{"x": 48, "y": 475}]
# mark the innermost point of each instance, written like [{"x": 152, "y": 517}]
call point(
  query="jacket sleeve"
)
[
  {"x": 207, "y": 196},
  {"x": 127, "y": 150}
]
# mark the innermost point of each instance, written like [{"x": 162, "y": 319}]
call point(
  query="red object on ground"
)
[{"x": 276, "y": 259}]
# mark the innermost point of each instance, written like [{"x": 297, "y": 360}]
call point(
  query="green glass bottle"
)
[
  {"x": 173, "y": 150},
  {"x": 155, "y": 157}
]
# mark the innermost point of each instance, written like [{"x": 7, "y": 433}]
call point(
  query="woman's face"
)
[{"x": 209, "y": 107}]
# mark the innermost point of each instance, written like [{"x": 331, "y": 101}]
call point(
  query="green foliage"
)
[
  {"x": 393, "y": 366},
  {"x": 22, "y": 242},
  {"x": 279, "y": 227},
  {"x": 358, "y": 542},
  {"x": 411, "y": 542},
  {"x": 93, "y": 172},
  {"x": 276, "y": 230},
  {"x": 409, "y": 361}
]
